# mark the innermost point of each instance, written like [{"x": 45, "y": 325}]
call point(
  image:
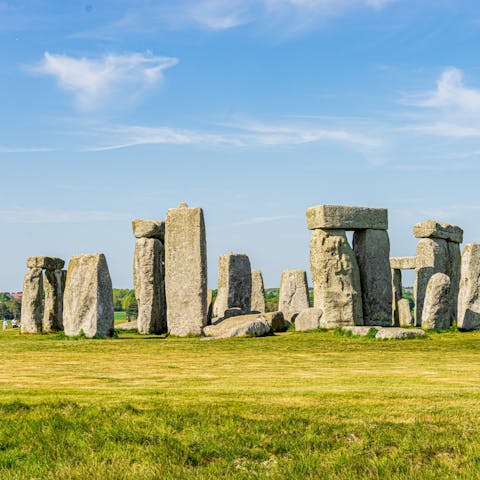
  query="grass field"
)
[{"x": 312, "y": 405}]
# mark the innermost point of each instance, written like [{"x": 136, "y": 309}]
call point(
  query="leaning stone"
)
[
  {"x": 88, "y": 297},
  {"x": 469, "y": 293},
  {"x": 404, "y": 313},
  {"x": 394, "y": 333},
  {"x": 403, "y": 263},
  {"x": 432, "y": 257},
  {"x": 360, "y": 331},
  {"x": 336, "y": 279},
  {"x": 54, "y": 285},
  {"x": 396, "y": 294},
  {"x": 148, "y": 280},
  {"x": 234, "y": 283},
  {"x": 148, "y": 228},
  {"x": 186, "y": 271},
  {"x": 372, "y": 249},
  {"x": 433, "y": 229},
  {"x": 258, "y": 292},
  {"x": 245, "y": 325},
  {"x": 339, "y": 217},
  {"x": 293, "y": 296},
  {"x": 453, "y": 271},
  {"x": 32, "y": 306},
  {"x": 436, "y": 307},
  {"x": 47, "y": 263},
  {"x": 308, "y": 319}
]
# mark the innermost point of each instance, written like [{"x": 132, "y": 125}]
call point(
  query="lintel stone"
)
[
  {"x": 433, "y": 229},
  {"x": 47, "y": 263},
  {"x": 403, "y": 263},
  {"x": 148, "y": 228}
]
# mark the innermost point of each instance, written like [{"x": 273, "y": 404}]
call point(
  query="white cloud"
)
[
  {"x": 96, "y": 82},
  {"x": 6, "y": 149}
]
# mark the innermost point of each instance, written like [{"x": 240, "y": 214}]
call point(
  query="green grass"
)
[{"x": 312, "y": 405}]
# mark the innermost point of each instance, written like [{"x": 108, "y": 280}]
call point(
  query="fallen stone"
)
[
  {"x": 54, "y": 285},
  {"x": 308, "y": 319},
  {"x": 404, "y": 313},
  {"x": 148, "y": 229},
  {"x": 361, "y": 331},
  {"x": 436, "y": 306},
  {"x": 338, "y": 217},
  {"x": 247, "y": 325},
  {"x": 433, "y": 229},
  {"x": 276, "y": 320},
  {"x": 469, "y": 292},
  {"x": 88, "y": 297},
  {"x": 395, "y": 333},
  {"x": 293, "y": 295},
  {"x": 32, "y": 302},
  {"x": 258, "y": 292},
  {"x": 403, "y": 263},
  {"x": 47, "y": 263}
]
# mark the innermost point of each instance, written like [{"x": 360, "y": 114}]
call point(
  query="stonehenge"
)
[
  {"x": 308, "y": 319},
  {"x": 257, "y": 297},
  {"x": 401, "y": 316},
  {"x": 293, "y": 295},
  {"x": 32, "y": 308},
  {"x": 469, "y": 291},
  {"x": 436, "y": 307}
]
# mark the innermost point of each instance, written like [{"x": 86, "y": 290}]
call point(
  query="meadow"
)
[{"x": 296, "y": 405}]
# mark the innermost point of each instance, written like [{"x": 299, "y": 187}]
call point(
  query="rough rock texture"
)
[
  {"x": 394, "y": 333},
  {"x": 308, "y": 319},
  {"x": 432, "y": 257},
  {"x": 403, "y": 263},
  {"x": 127, "y": 326},
  {"x": 88, "y": 297},
  {"x": 234, "y": 283},
  {"x": 276, "y": 320},
  {"x": 338, "y": 217},
  {"x": 148, "y": 228},
  {"x": 185, "y": 271},
  {"x": 149, "y": 284},
  {"x": 433, "y": 229},
  {"x": 336, "y": 279},
  {"x": 209, "y": 305},
  {"x": 361, "y": 331},
  {"x": 396, "y": 294},
  {"x": 404, "y": 313},
  {"x": 32, "y": 305},
  {"x": 47, "y": 263},
  {"x": 469, "y": 294},
  {"x": 293, "y": 296},
  {"x": 251, "y": 325},
  {"x": 372, "y": 249},
  {"x": 257, "y": 303},
  {"x": 453, "y": 271},
  {"x": 54, "y": 285},
  {"x": 437, "y": 303}
]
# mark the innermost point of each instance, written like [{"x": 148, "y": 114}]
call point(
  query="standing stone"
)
[
  {"x": 404, "y": 313},
  {"x": 185, "y": 270},
  {"x": 258, "y": 292},
  {"x": 54, "y": 285},
  {"x": 453, "y": 271},
  {"x": 432, "y": 257},
  {"x": 88, "y": 297},
  {"x": 372, "y": 249},
  {"x": 209, "y": 306},
  {"x": 32, "y": 306},
  {"x": 293, "y": 296},
  {"x": 436, "y": 306},
  {"x": 234, "y": 283},
  {"x": 396, "y": 294},
  {"x": 336, "y": 279},
  {"x": 469, "y": 294},
  {"x": 308, "y": 319},
  {"x": 148, "y": 279}
]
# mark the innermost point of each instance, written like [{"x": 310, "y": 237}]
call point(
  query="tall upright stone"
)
[
  {"x": 469, "y": 292},
  {"x": 404, "y": 313},
  {"x": 372, "y": 250},
  {"x": 437, "y": 303},
  {"x": 336, "y": 279},
  {"x": 185, "y": 270},
  {"x": 293, "y": 295},
  {"x": 258, "y": 292},
  {"x": 234, "y": 283},
  {"x": 453, "y": 271},
  {"x": 396, "y": 294},
  {"x": 88, "y": 297},
  {"x": 32, "y": 301},
  {"x": 54, "y": 285},
  {"x": 148, "y": 278}
]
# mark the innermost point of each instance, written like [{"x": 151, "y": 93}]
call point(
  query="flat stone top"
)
[
  {"x": 48, "y": 263},
  {"x": 403, "y": 263},
  {"x": 338, "y": 217},
  {"x": 148, "y": 228},
  {"x": 434, "y": 229}
]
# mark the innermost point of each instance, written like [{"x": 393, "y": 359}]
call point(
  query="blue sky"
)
[{"x": 253, "y": 109}]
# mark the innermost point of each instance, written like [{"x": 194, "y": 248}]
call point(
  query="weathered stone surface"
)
[
  {"x": 372, "y": 249},
  {"x": 336, "y": 279},
  {"x": 209, "y": 305},
  {"x": 88, "y": 297},
  {"x": 47, "y": 263},
  {"x": 339, "y": 217},
  {"x": 308, "y": 319},
  {"x": 234, "y": 283},
  {"x": 403, "y": 263},
  {"x": 127, "y": 326},
  {"x": 433, "y": 229},
  {"x": 293, "y": 296},
  {"x": 396, "y": 294},
  {"x": 148, "y": 280},
  {"x": 404, "y": 313},
  {"x": 257, "y": 303},
  {"x": 148, "y": 228},
  {"x": 232, "y": 312},
  {"x": 469, "y": 293},
  {"x": 360, "y": 331},
  {"x": 453, "y": 271},
  {"x": 32, "y": 304},
  {"x": 241, "y": 326},
  {"x": 54, "y": 285},
  {"x": 437, "y": 303},
  {"x": 394, "y": 333},
  {"x": 432, "y": 257},
  {"x": 276, "y": 320},
  {"x": 185, "y": 271}
]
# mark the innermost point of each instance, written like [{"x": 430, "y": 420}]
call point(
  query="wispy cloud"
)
[
  {"x": 8, "y": 149},
  {"x": 95, "y": 82},
  {"x": 24, "y": 215}
]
